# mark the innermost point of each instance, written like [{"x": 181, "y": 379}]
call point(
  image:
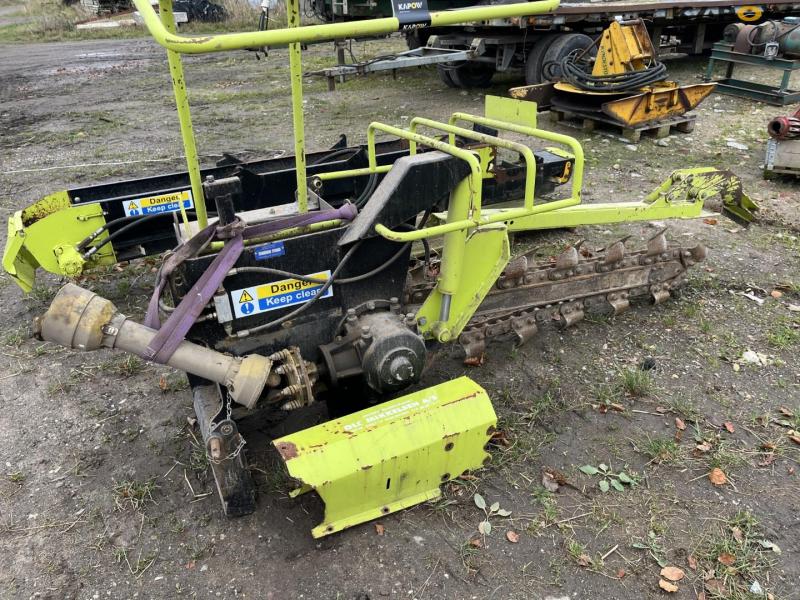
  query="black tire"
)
[
  {"x": 417, "y": 38},
  {"x": 472, "y": 75},
  {"x": 444, "y": 74},
  {"x": 535, "y": 60},
  {"x": 559, "y": 49}
]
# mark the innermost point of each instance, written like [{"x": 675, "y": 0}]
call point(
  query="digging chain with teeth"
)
[{"x": 562, "y": 291}]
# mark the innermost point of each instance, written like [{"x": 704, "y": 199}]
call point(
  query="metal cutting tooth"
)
[
  {"x": 616, "y": 251},
  {"x": 657, "y": 244},
  {"x": 568, "y": 259}
]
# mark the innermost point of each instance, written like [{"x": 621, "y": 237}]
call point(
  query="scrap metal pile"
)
[{"x": 328, "y": 276}]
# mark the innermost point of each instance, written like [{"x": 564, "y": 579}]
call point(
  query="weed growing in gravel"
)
[
  {"x": 16, "y": 477},
  {"x": 662, "y": 450},
  {"x": 134, "y": 493},
  {"x": 736, "y": 554},
  {"x": 124, "y": 366},
  {"x": 636, "y": 383},
  {"x": 783, "y": 335},
  {"x": 15, "y": 337},
  {"x": 727, "y": 459}
]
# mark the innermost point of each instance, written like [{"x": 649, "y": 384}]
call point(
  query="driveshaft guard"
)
[{"x": 393, "y": 455}]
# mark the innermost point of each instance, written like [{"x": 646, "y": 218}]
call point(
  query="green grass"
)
[
  {"x": 134, "y": 494},
  {"x": 784, "y": 334},
  {"x": 738, "y": 540},
  {"x": 662, "y": 450},
  {"x": 636, "y": 383}
]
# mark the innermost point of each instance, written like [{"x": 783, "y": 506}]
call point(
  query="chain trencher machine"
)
[{"x": 317, "y": 278}]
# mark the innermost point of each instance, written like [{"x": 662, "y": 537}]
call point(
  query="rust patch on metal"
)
[
  {"x": 43, "y": 208},
  {"x": 287, "y": 449}
]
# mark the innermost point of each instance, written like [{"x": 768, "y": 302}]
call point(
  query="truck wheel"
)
[
  {"x": 444, "y": 74},
  {"x": 417, "y": 38},
  {"x": 472, "y": 75},
  {"x": 558, "y": 50},
  {"x": 535, "y": 60}
]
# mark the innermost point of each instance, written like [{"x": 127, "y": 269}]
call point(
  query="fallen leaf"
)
[
  {"x": 768, "y": 460},
  {"x": 710, "y": 221},
  {"x": 776, "y": 294},
  {"x": 785, "y": 411},
  {"x": 379, "y": 529},
  {"x": 616, "y": 407},
  {"x": 621, "y": 573},
  {"x": 678, "y": 435},
  {"x": 703, "y": 447},
  {"x": 584, "y": 560},
  {"x": 790, "y": 470},
  {"x": 476, "y": 543},
  {"x": 191, "y": 565},
  {"x": 768, "y": 446},
  {"x": 795, "y": 438},
  {"x": 717, "y": 476},
  {"x": 729, "y": 426},
  {"x": 692, "y": 562},
  {"x": 715, "y": 586},
  {"x": 667, "y": 586},
  {"x": 475, "y": 361},
  {"x": 661, "y": 410},
  {"x": 737, "y": 534},
  {"x": 603, "y": 408},
  {"x": 499, "y": 437},
  {"x": 727, "y": 559},
  {"x": 672, "y": 573},
  {"x": 770, "y": 546},
  {"x": 162, "y": 383},
  {"x": 679, "y": 423},
  {"x": 549, "y": 482},
  {"x": 512, "y": 536},
  {"x": 794, "y": 307}
]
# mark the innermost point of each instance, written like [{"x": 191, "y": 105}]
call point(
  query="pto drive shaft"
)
[{"x": 80, "y": 319}]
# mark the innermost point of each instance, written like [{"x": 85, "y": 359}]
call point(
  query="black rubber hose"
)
[
  {"x": 578, "y": 76},
  {"x": 93, "y": 236}
]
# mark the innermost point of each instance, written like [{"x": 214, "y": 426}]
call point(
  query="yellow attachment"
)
[
  {"x": 391, "y": 456},
  {"x": 657, "y": 101},
  {"x": 623, "y": 48},
  {"x": 44, "y": 235}
]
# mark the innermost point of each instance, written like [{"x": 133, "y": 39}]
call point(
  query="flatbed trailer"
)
[{"x": 529, "y": 44}]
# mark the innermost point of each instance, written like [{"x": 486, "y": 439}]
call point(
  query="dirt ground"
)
[{"x": 105, "y": 494}]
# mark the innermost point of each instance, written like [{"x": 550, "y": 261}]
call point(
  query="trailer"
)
[{"x": 534, "y": 44}]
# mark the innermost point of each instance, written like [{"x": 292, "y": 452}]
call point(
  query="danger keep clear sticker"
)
[
  {"x": 153, "y": 205},
  {"x": 277, "y": 294}
]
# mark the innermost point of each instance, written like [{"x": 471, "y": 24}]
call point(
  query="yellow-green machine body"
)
[{"x": 396, "y": 453}]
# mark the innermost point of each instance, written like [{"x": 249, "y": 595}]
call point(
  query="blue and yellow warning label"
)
[
  {"x": 275, "y": 295},
  {"x": 153, "y": 205}
]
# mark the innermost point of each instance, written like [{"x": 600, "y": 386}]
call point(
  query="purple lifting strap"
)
[{"x": 170, "y": 336}]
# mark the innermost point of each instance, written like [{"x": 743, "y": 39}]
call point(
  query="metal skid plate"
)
[{"x": 391, "y": 456}]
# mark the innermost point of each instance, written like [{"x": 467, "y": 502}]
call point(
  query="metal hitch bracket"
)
[{"x": 392, "y": 456}]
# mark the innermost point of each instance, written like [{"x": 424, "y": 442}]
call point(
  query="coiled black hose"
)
[{"x": 577, "y": 73}]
